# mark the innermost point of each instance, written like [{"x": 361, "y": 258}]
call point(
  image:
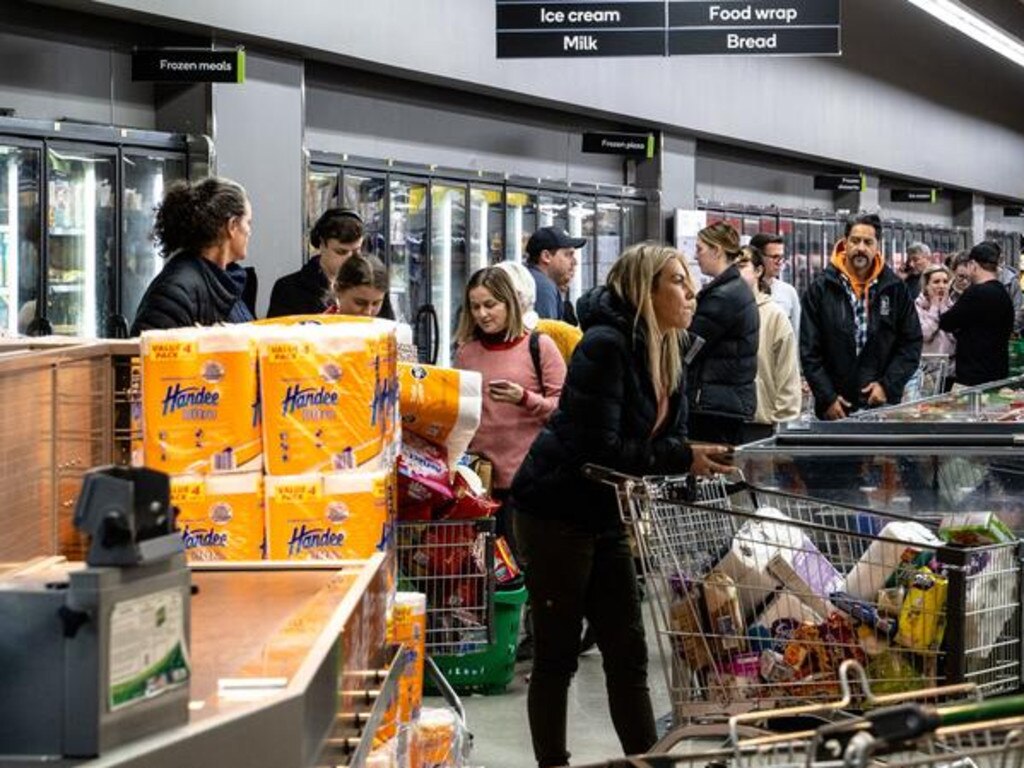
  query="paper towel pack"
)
[{"x": 200, "y": 400}]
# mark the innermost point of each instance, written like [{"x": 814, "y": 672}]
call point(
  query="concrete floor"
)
[{"x": 501, "y": 734}]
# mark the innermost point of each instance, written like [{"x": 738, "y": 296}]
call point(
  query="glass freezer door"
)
[
  {"x": 146, "y": 176},
  {"x": 365, "y": 193},
  {"x": 408, "y": 260},
  {"x": 80, "y": 229},
  {"x": 581, "y": 224},
  {"x": 486, "y": 227},
  {"x": 448, "y": 266},
  {"x": 321, "y": 192},
  {"x": 520, "y": 222},
  {"x": 20, "y": 243},
  {"x": 609, "y": 237}
]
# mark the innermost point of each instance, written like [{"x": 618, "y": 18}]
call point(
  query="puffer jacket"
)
[
  {"x": 605, "y": 416},
  {"x": 828, "y": 352},
  {"x": 721, "y": 378},
  {"x": 191, "y": 290}
]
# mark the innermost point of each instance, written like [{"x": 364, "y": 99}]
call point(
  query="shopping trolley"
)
[
  {"x": 906, "y": 729},
  {"x": 452, "y": 563},
  {"x": 758, "y": 596}
]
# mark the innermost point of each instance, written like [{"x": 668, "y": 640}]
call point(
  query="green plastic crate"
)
[{"x": 491, "y": 670}]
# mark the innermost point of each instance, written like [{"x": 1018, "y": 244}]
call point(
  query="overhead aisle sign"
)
[{"x": 571, "y": 28}]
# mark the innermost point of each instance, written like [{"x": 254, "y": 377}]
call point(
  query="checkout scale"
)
[{"x": 96, "y": 654}]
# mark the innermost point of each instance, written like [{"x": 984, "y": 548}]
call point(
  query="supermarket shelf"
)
[{"x": 66, "y": 231}]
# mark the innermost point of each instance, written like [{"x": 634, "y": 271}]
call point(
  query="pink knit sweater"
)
[{"x": 507, "y": 431}]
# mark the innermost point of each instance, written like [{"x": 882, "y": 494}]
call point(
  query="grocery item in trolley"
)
[
  {"x": 441, "y": 405},
  {"x": 200, "y": 400},
  {"x": 899, "y": 543},
  {"x": 759, "y": 547},
  {"x": 220, "y": 516},
  {"x": 328, "y": 396},
  {"x": 328, "y": 516}
]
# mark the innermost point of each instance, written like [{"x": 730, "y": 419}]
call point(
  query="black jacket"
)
[
  {"x": 605, "y": 416},
  {"x": 721, "y": 377},
  {"x": 828, "y": 353},
  {"x": 191, "y": 290},
  {"x": 300, "y": 293}
]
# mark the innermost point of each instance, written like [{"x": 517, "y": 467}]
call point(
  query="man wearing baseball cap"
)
[
  {"x": 982, "y": 321},
  {"x": 551, "y": 259}
]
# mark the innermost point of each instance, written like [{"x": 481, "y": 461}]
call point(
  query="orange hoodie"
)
[{"x": 859, "y": 286}]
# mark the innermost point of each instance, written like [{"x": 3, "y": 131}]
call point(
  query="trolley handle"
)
[{"x": 601, "y": 474}]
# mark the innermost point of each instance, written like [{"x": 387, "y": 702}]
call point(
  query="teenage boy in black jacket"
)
[{"x": 860, "y": 338}]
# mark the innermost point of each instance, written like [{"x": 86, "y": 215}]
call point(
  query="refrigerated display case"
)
[
  {"x": 448, "y": 264},
  {"x": 521, "y": 221},
  {"x": 434, "y": 227},
  {"x": 20, "y": 216},
  {"x": 581, "y": 224},
  {"x": 145, "y": 175},
  {"x": 486, "y": 227},
  {"x": 77, "y": 204},
  {"x": 954, "y": 452}
]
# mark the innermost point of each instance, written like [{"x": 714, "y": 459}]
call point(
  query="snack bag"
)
[
  {"x": 334, "y": 516},
  {"x": 200, "y": 400},
  {"x": 326, "y": 396},
  {"x": 423, "y": 476},
  {"x": 220, "y": 516},
  {"x": 923, "y": 614},
  {"x": 441, "y": 405}
]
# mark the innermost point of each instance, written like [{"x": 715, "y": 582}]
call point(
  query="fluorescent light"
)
[{"x": 963, "y": 19}]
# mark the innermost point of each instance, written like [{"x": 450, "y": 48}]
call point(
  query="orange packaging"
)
[
  {"x": 220, "y": 516},
  {"x": 437, "y": 739},
  {"x": 200, "y": 400},
  {"x": 335, "y": 516},
  {"x": 441, "y": 405},
  {"x": 409, "y": 627},
  {"x": 326, "y": 396}
]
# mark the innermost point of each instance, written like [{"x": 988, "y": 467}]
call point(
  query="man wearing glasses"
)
[{"x": 774, "y": 249}]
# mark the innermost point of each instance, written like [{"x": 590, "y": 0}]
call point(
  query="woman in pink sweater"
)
[{"x": 519, "y": 395}]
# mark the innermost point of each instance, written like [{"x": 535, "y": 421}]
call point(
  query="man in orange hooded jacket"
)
[{"x": 860, "y": 339}]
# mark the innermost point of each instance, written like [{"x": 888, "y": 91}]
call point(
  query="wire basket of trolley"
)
[
  {"x": 948, "y": 726},
  {"x": 758, "y": 596}
]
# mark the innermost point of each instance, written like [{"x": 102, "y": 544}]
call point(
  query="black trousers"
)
[{"x": 575, "y": 574}]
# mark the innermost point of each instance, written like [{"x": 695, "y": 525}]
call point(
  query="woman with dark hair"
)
[
  {"x": 360, "y": 287},
  {"x": 337, "y": 235},
  {"x": 623, "y": 408},
  {"x": 203, "y": 231},
  {"x": 721, "y": 377}
]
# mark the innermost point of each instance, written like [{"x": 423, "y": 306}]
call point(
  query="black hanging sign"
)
[
  {"x": 914, "y": 195},
  {"x": 628, "y": 144},
  {"x": 188, "y": 65},
  {"x": 570, "y": 28},
  {"x": 1013, "y": 211},
  {"x": 841, "y": 182}
]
